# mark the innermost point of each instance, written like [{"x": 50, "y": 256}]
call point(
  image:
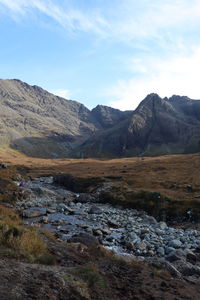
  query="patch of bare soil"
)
[{"x": 91, "y": 274}]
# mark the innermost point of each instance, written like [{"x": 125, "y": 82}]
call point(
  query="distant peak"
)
[
  {"x": 104, "y": 108},
  {"x": 152, "y": 96},
  {"x": 177, "y": 97},
  {"x": 18, "y": 81},
  {"x": 11, "y": 80}
]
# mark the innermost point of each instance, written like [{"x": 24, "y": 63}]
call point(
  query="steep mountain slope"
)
[
  {"x": 108, "y": 116},
  {"x": 157, "y": 126},
  {"x": 39, "y": 123}
]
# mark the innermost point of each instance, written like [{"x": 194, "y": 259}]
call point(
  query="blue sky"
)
[{"x": 111, "y": 52}]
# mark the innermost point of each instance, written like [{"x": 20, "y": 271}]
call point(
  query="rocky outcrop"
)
[
  {"x": 108, "y": 116},
  {"x": 158, "y": 126}
]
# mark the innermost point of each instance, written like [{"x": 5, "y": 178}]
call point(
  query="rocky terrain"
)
[
  {"x": 40, "y": 124},
  {"x": 71, "y": 244},
  {"x": 128, "y": 232},
  {"x": 158, "y": 126}
]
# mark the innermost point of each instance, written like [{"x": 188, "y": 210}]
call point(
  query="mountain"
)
[
  {"x": 158, "y": 126},
  {"x": 40, "y": 124},
  {"x": 108, "y": 116}
]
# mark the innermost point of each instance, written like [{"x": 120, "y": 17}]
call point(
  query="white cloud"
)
[
  {"x": 129, "y": 21},
  {"x": 164, "y": 22},
  {"x": 124, "y": 20},
  {"x": 67, "y": 17},
  {"x": 178, "y": 75},
  {"x": 13, "y": 5},
  {"x": 62, "y": 93},
  {"x": 162, "y": 28}
]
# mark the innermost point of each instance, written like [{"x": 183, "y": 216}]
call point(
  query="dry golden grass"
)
[
  {"x": 14, "y": 235},
  {"x": 9, "y": 217},
  {"x": 170, "y": 175},
  {"x": 30, "y": 243}
]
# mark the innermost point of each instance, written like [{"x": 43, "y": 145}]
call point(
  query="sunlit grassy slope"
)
[{"x": 170, "y": 175}]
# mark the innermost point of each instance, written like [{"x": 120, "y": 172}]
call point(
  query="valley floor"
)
[
  {"x": 91, "y": 272},
  {"x": 175, "y": 176}
]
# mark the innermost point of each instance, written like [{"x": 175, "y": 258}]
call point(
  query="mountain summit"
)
[
  {"x": 40, "y": 124},
  {"x": 158, "y": 126}
]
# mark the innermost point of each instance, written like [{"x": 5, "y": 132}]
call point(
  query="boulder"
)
[
  {"x": 163, "y": 225},
  {"x": 97, "y": 232},
  {"x": 85, "y": 198},
  {"x": 51, "y": 211},
  {"x": 61, "y": 207},
  {"x": 176, "y": 255},
  {"x": 113, "y": 223},
  {"x": 161, "y": 251},
  {"x": 175, "y": 243},
  {"x": 45, "y": 219},
  {"x": 105, "y": 230},
  {"x": 142, "y": 246},
  {"x": 95, "y": 210},
  {"x": 34, "y": 212},
  {"x": 85, "y": 239}
]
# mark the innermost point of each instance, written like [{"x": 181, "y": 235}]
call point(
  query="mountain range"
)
[{"x": 40, "y": 124}]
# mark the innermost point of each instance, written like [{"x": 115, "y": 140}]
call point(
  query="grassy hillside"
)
[{"x": 174, "y": 177}]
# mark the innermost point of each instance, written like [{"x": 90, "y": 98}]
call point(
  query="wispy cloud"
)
[
  {"x": 163, "y": 36},
  {"x": 178, "y": 75},
  {"x": 66, "y": 16},
  {"x": 150, "y": 19},
  {"x": 125, "y": 19},
  {"x": 62, "y": 93},
  {"x": 146, "y": 25}
]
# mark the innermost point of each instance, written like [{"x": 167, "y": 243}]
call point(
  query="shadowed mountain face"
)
[
  {"x": 41, "y": 124},
  {"x": 108, "y": 116},
  {"x": 158, "y": 126}
]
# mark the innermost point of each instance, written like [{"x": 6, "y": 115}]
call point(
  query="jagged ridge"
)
[{"x": 40, "y": 124}]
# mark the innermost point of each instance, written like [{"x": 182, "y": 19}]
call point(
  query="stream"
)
[{"x": 127, "y": 232}]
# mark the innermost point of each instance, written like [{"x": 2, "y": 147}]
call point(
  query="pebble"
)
[
  {"x": 175, "y": 243},
  {"x": 161, "y": 251}
]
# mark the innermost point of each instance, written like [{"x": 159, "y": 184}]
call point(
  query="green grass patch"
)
[{"x": 91, "y": 275}]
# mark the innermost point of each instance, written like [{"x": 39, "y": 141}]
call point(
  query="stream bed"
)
[{"x": 127, "y": 232}]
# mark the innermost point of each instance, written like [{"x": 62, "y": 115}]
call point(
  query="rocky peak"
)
[
  {"x": 35, "y": 121},
  {"x": 152, "y": 97},
  {"x": 108, "y": 116},
  {"x": 41, "y": 124},
  {"x": 152, "y": 103},
  {"x": 179, "y": 98}
]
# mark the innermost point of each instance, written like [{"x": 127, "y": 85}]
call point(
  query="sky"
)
[{"x": 109, "y": 52}]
